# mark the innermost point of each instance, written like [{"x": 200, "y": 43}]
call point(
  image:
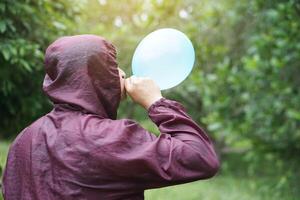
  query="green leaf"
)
[
  {"x": 2, "y": 26},
  {"x": 26, "y": 65},
  {"x": 295, "y": 114},
  {"x": 6, "y": 54}
]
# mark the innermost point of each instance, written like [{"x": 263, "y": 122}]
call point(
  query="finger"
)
[
  {"x": 127, "y": 83},
  {"x": 132, "y": 77},
  {"x": 135, "y": 80}
]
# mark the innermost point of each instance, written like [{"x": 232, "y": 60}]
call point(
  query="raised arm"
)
[{"x": 181, "y": 153}]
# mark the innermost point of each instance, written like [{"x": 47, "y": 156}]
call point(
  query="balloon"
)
[{"x": 166, "y": 55}]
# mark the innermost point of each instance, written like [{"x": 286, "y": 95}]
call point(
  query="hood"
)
[{"x": 82, "y": 74}]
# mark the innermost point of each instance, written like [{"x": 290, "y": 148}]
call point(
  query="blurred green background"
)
[{"x": 244, "y": 88}]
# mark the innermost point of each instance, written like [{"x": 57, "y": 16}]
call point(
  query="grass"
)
[
  {"x": 4, "y": 145},
  {"x": 214, "y": 189},
  {"x": 224, "y": 186},
  {"x": 3, "y": 152}
]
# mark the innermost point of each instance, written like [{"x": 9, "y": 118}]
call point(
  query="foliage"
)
[
  {"x": 254, "y": 93},
  {"x": 26, "y": 28}
]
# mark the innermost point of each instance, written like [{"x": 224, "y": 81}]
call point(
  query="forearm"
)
[{"x": 171, "y": 118}]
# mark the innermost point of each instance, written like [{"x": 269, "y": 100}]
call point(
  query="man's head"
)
[{"x": 82, "y": 73}]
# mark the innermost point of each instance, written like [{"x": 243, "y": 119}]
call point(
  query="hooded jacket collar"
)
[{"x": 82, "y": 74}]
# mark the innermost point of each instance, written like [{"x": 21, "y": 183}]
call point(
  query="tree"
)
[{"x": 26, "y": 28}]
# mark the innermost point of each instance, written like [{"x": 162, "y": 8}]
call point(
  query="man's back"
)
[
  {"x": 71, "y": 155},
  {"x": 66, "y": 155}
]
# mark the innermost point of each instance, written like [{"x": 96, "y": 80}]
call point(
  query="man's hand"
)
[{"x": 142, "y": 90}]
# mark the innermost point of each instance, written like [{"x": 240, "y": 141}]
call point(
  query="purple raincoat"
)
[{"x": 80, "y": 150}]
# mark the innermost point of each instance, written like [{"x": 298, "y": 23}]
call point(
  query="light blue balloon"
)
[{"x": 166, "y": 55}]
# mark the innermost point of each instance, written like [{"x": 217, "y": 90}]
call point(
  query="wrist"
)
[{"x": 152, "y": 101}]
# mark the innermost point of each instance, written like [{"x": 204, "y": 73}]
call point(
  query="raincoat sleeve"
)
[{"x": 181, "y": 153}]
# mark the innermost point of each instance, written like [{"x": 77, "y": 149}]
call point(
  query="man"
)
[{"x": 80, "y": 150}]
